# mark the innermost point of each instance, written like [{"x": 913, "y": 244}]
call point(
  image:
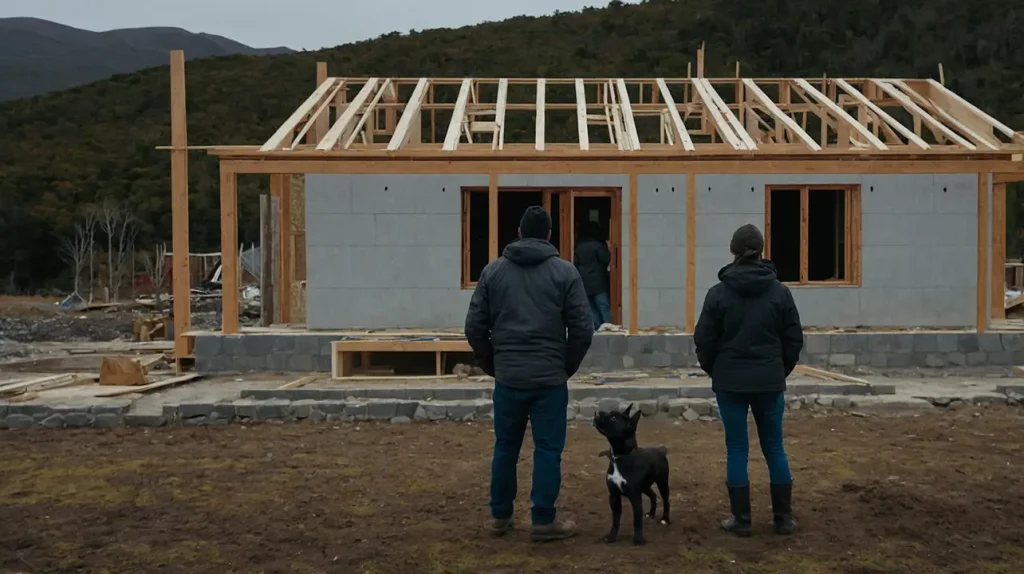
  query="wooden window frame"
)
[{"x": 852, "y": 228}]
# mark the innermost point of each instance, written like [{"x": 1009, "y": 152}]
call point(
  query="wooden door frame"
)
[{"x": 614, "y": 239}]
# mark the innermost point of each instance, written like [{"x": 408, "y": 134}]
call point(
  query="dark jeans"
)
[
  {"x": 768, "y": 410},
  {"x": 545, "y": 409},
  {"x": 601, "y": 309}
]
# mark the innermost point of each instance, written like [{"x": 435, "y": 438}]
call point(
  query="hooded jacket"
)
[
  {"x": 748, "y": 337},
  {"x": 529, "y": 320},
  {"x": 592, "y": 260}
]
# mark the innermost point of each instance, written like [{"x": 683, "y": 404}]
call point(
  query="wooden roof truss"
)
[{"x": 686, "y": 115}]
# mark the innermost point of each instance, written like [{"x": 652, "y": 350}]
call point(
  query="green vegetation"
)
[{"x": 96, "y": 143}]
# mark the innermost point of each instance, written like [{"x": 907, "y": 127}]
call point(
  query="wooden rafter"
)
[
  {"x": 629, "y": 125},
  {"x": 541, "y": 94},
  {"x": 880, "y": 113},
  {"x": 288, "y": 127},
  {"x": 498, "y": 140},
  {"x": 368, "y": 113},
  {"x": 410, "y": 115},
  {"x": 779, "y": 115},
  {"x": 996, "y": 124},
  {"x": 925, "y": 117},
  {"x": 673, "y": 112},
  {"x": 341, "y": 126},
  {"x": 723, "y": 125},
  {"x": 839, "y": 112},
  {"x": 988, "y": 141},
  {"x": 317, "y": 118},
  {"x": 451, "y": 139},
  {"x": 581, "y": 115}
]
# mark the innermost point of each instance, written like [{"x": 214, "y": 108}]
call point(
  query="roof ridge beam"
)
[
  {"x": 780, "y": 116},
  {"x": 840, "y": 113}
]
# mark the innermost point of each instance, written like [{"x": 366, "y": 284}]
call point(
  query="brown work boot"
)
[
  {"x": 501, "y": 526},
  {"x": 557, "y": 530}
]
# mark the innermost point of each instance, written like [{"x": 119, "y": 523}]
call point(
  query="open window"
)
[
  {"x": 512, "y": 203},
  {"x": 812, "y": 233}
]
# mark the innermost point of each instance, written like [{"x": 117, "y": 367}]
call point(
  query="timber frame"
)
[{"x": 688, "y": 125}]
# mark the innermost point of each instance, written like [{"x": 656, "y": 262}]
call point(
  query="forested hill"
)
[{"x": 96, "y": 143}]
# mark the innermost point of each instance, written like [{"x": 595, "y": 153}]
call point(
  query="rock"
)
[
  {"x": 301, "y": 409},
  {"x": 676, "y": 407},
  {"x": 434, "y": 411},
  {"x": 107, "y": 420},
  {"x": 650, "y": 407},
  {"x": 989, "y": 399},
  {"x": 942, "y": 401},
  {"x": 891, "y": 404},
  {"x": 842, "y": 403},
  {"x": 795, "y": 405},
  {"x": 421, "y": 412},
  {"x": 461, "y": 411},
  {"x": 356, "y": 410},
  {"x": 570, "y": 412},
  {"x": 401, "y": 420},
  {"x": 823, "y": 401},
  {"x": 706, "y": 419},
  {"x": 317, "y": 416},
  {"x": 271, "y": 410},
  {"x": 19, "y": 422},
  {"x": 609, "y": 405},
  {"x": 77, "y": 419},
  {"x": 406, "y": 409},
  {"x": 690, "y": 415},
  {"x": 702, "y": 407},
  {"x": 485, "y": 408},
  {"x": 381, "y": 410},
  {"x": 53, "y": 422}
]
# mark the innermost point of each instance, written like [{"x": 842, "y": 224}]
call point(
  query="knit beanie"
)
[{"x": 747, "y": 243}]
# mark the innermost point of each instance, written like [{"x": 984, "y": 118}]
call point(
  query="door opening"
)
[{"x": 594, "y": 215}]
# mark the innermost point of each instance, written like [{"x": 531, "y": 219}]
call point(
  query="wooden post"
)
[
  {"x": 492, "y": 206},
  {"x": 228, "y": 255},
  {"x": 983, "y": 262},
  {"x": 179, "y": 207},
  {"x": 634, "y": 287},
  {"x": 998, "y": 272},
  {"x": 691, "y": 252},
  {"x": 323, "y": 123},
  {"x": 268, "y": 258},
  {"x": 286, "y": 246}
]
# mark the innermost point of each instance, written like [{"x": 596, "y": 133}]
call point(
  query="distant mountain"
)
[{"x": 38, "y": 56}]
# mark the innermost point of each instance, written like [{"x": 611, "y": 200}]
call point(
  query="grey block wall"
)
[
  {"x": 919, "y": 247},
  {"x": 384, "y": 251}
]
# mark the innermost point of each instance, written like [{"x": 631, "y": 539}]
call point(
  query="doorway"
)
[{"x": 599, "y": 212}]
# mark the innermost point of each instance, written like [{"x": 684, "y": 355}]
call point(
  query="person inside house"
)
[
  {"x": 748, "y": 339},
  {"x": 530, "y": 327},
  {"x": 592, "y": 257}
]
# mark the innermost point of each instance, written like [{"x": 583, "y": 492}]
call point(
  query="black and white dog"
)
[{"x": 632, "y": 471}]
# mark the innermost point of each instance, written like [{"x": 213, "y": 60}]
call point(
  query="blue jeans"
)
[
  {"x": 768, "y": 410},
  {"x": 601, "y": 309},
  {"x": 545, "y": 409}
]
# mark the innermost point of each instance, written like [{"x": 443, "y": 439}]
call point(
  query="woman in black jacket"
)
[{"x": 748, "y": 340}]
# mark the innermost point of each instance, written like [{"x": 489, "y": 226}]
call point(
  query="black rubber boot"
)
[
  {"x": 739, "y": 504},
  {"x": 782, "y": 500}
]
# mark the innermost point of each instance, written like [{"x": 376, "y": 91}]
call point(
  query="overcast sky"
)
[{"x": 298, "y": 24}]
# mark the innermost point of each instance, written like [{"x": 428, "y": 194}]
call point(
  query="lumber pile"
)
[
  {"x": 44, "y": 383},
  {"x": 828, "y": 375}
]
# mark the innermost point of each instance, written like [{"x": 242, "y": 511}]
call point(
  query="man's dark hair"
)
[
  {"x": 592, "y": 230},
  {"x": 747, "y": 243},
  {"x": 536, "y": 223}
]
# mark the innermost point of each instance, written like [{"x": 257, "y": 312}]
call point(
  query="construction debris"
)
[
  {"x": 118, "y": 371},
  {"x": 152, "y": 386},
  {"x": 298, "y": 382},
  {"x": 46, "y": 383},
  {"x": 828, "y": 375}
]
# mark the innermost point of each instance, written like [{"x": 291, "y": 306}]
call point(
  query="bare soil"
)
[{"x": 934, "y": 493}]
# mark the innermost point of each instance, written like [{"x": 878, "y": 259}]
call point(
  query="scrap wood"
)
[
  {"x": 23, "y": 398},
  {"x": 298, "y": 382},
  {"x": 120, "y": 371},
  {"x": 828, "y": 375},
  {"x": 1012, "y": 303},
  {"x": 152, "y": 386},
  {"x": 48, "y": 382},
  {"x": 150, "y": 361}
]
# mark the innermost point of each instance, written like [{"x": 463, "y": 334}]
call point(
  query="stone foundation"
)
[{"x": 302, "y": 352}]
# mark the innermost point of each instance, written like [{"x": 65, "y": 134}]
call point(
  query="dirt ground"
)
[{"x": 933, "y": 493}]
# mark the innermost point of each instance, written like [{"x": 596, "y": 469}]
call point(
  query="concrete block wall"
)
[
  {"x": 919, "y": 247},
  {"x": 385, "y": 251}
]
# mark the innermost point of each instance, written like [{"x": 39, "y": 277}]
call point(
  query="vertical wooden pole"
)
[
  {"x": 983, "y": 246},
  {"x": 691, "y": 252},
  {"x": 323, "y": 123},
  {"x": 286, "y": 245},
  {"x": 998, "y": 280},
  {"x": 634, "y": 287},
  {"x": 179, "y": 207},
  {"x": 805, "y": 209},
  {"x": 268, "y": 256},
  {"x": 228, "y": 255},
  {"x": 492, "y": 208}
]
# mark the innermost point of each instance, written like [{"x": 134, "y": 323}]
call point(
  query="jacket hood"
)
[
  {"x": 749, "y": 278},
  {"x": 527, "y": 252}
]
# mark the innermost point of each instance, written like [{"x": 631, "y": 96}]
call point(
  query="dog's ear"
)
[
  {"x": 629, "y": 408},
  {"x": 635, "y": 419}
]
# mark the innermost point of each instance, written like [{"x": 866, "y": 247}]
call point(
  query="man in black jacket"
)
[
  {"x": 529, "y": 325},
  {"x": 592, "y": 258},
  {"x": 749, "y": 339}
]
